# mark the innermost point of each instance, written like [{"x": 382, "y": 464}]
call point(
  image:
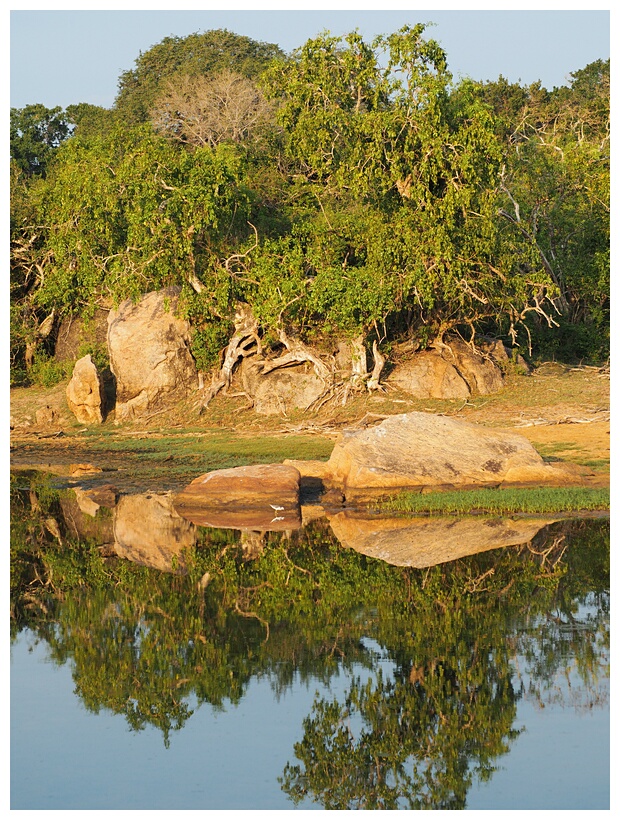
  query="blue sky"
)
[{"x": 60, "y": 57}]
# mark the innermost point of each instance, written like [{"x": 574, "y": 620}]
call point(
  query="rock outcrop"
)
[
  {"x": 85, "y": 392},
  {"x": 453, "y": 372},
  {"x": 425, "y": 542},
  {"x": 261, "y": 497},
  {"x": 149, "y": 348},
  {"x": 279, "y": 391},
  {"x": 149, "y": 531},
  {"x": 417, "y": 450}
]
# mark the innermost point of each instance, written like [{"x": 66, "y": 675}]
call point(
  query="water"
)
[{"x": 297, "y": 670}]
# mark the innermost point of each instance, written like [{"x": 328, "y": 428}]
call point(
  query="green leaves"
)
[
  {"x": 375, "y": 197},
  {"x": 128, "y": 213},
  {"x": 197, "y": 55},
  {"x": 36, "y": 131},
  {"x": 556, "y": 195}
]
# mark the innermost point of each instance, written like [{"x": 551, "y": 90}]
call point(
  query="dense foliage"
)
[{"x": 350, "y": 189}]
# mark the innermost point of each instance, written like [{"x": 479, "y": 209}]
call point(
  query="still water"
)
[{"x": 355, "y": 662}]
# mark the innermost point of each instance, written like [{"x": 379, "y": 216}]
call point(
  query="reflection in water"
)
[
  {"x": 149, "y": 531},
  {"x": 450, "y": 648},
  {"x": 424, "y": 542}
]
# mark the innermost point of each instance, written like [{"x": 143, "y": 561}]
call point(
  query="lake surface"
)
[{"x": 355, "y": 662}]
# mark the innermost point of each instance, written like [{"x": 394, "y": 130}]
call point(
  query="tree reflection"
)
[
  {"x": 417, "y": 745},
  {"x": 445, "y": 715},
  {"x": 452, "y": 647}
]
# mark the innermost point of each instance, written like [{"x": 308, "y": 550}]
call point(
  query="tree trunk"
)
[
  {"x": 298, "y": 352},
  {"x": 373, "y": 381},
  {"x": 359, "y": 364}
]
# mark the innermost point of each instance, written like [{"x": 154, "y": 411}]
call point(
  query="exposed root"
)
[
  {"x": 244, "y": 342},
  {"x": 297, "y": 353}
]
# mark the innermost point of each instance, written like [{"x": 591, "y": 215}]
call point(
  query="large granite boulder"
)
[
  {"x": 260, "y": 497},
  {"x": 425, "y": 542},
  {"x": 287, "y": 388},
  {"x": 85, "y": 392},
  {"x": 149, "y": 348},
  {"x": 417, "y": 450},
  {"x": 149, "y": 531},
  {"x": 453, "y": 372}
]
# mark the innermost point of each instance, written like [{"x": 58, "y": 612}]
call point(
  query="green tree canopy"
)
[
  {"x": 555, "y": 187},
  {"x": 350, "y": 189},
  {"x": 397, "y": 183},
  {"x": 35, "y": 132},
  {"x": 198, "y": 54}
]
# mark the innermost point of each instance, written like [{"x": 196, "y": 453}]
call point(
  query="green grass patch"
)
[
  {"x": 553, "y": 448},
  {"x": 596, "y": 463},
  {"x": 213, "y": 450},
  {"x": 526, "y": 500}
]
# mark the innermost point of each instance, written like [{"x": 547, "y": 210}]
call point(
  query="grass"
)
[
  {"x": 221, "y": 446},
  {"x": 534, "y": 500},
  {"x": 171, "y": 458}
]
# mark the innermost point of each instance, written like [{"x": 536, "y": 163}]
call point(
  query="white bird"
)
[{"x": 276, "y": 508}]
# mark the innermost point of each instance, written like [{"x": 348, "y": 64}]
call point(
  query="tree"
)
[
  {"x": 197, "y": 55},
  {"x": 404, "y": 182},
  {"x": 226, "y": 107},
  {"x": 91, "y": 120},
  {"x": 122, "y": 214},
  {"x": 556, "y": 187},
  {"x": 36, "y": 131}
]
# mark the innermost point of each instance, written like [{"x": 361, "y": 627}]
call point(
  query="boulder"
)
[
  {"x": 149, "y": 348},
  {"x": 85, "y": 392},
  {"x": 417, "y": 450},
  {"x": 264, "y": 496},
  {"x": 453, "y": 372},
  {"x": 425, "y": 542},
  {"x": 505, "y": 357},
  {"x": 427, "y": 375},
  {"x": 105, "y": 496},
  {"x": 480, "y": 372},
  {"x": 149, "y": 531},
  {"x": 281, "y": 390}
]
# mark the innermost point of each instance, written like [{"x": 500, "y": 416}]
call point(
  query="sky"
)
[{"x": 73, "y": 55}]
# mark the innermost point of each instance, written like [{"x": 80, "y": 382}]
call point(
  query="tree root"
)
[{"x": 244, "y": 342}]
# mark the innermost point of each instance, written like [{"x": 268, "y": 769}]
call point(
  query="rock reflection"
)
[
  {"x": 149, "y": 531},
  {"x": 426, "y": 542},
  {"x": 264, "y": 520}
]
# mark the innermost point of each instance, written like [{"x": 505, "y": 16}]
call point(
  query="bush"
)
[{"x": 47, "y": 372}]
